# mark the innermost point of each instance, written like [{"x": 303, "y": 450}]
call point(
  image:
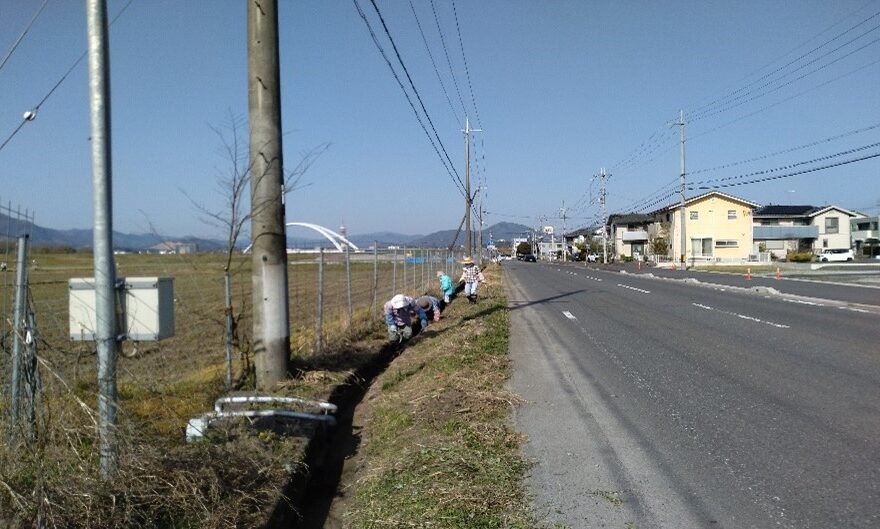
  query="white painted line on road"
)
[
  {"x": 801, "y": 302},
  {"x": 634, "y": 288},
  {"x": 863, "y": 311},
  {"x": 742, "y": 316},
  {"x": 568, "y": 315}
]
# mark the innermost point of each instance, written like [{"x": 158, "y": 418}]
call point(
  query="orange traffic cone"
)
[
  {"x": 777, "y": 273},
  {"x": 749, "y": 273}
]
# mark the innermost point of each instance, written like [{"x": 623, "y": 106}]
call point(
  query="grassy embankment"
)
[{"x": 438, "y": 449}]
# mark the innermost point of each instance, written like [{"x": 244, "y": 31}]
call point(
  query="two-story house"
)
[
  {"x": 799, "y": 228},
  {"x": 629, "y": 233},
  {"x": 718, "y": 228},
  {"x": 865, "y": 235}
]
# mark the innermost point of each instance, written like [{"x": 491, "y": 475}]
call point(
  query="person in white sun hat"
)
[{"x": 398, "y": 317}]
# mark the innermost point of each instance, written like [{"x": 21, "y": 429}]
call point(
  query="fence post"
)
[
  {"x": 375, "y": 279},
  {"x": 404, "y": 270},
  {"x": 227, "y": 287},
  {"x": 348, "y": 281},
  {"x": 18, "y": 329},
  {"x": 394, "y": 272},
  {"x": 319, "y": 320}
]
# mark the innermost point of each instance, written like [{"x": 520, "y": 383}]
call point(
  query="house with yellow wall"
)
[{"x": 718, "y": 228}]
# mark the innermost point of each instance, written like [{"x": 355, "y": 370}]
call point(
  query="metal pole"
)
[
  {"x": 564, "y": 242},
  {"x": 271, "y": 315},
  {"x": 467, "y": 186},
  {"x": 348, "y": 280},
  {"x": 404, "y": 269},
  {"x": 394, "y": 272},
  {"x": 18, "y": 329},
  {"x": 375, "y": 279},
  {"x": 681, "y": 190},
  {"x": 227, "y": 286},
  {"x": 105, "y": 271},
  {"x": 319, "y": 320}
]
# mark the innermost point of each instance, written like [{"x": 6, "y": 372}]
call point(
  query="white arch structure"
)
[{"x": 338, "y": 240}]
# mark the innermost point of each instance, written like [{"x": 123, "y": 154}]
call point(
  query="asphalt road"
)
[{"x": 653, "y": 403}]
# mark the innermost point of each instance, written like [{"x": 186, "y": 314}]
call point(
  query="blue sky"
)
[{"x": 560, "y": 88}]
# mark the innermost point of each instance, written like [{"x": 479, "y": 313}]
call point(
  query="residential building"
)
[
  {"x": 782, "y": 229},
  {"x": 718, "y": 228},
  {"x": 629, "y": 234},
  {"x": 865, "y": 235}
]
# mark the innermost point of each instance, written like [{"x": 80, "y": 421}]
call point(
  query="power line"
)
[
  {"x": 434, "y": 63},
  {"x": 748, "y": 86},
  {"x": 788, "y": 83},
  {"x": 777, "y": 177},
  {"x": 785, "y": 100},
  {"x": 785, "y": 167},
  {"x": 29, "y": 116},
  {"x": 413, "y": 86},
  {"x": 785, "y": 151},
  {"x": 451, "y": 171},
  {"x": 23, "y": 33},
  {"x": 466, "y": 69},
  {"x": 448, "y": 61}
]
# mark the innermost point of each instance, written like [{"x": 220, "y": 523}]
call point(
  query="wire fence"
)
[{"x": 332, "y": 295}]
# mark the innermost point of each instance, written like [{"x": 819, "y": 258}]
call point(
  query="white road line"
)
[
  {"x": 863, "y": 311},
  {"x": 568, "y": 315},
  {"x": 742, "y": 316},
  {"x": 634, "y": 288},
  {"x": 800, "y": 302}
]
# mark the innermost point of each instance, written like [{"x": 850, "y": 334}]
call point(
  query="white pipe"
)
[{"x": 326, "y": 407}]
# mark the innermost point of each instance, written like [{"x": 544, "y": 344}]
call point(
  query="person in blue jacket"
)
[
  {"x": 398, "y": 317},
  {"x": 446, "y": 286}
]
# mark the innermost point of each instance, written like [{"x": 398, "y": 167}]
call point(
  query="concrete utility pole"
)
[
  {"x": 604, "y": 216},
  {"x": 564, "y": 244},
  {"x": 105, "y": 268},
  {"x": 681, "y": 185},
  {"x": 268, "y": 232},
  {"x": 468, "y": 199}
]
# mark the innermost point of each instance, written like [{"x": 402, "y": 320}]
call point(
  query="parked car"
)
[
  {"x": 530, "y": 258},
  {"x": 836, "y": 255}
]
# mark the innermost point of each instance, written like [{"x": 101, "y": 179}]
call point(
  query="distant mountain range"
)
[{"x": 82, "y": 239}]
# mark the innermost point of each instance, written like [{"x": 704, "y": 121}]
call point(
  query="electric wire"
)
[
  {"x": 796, "y": 173},
  {"x": 434, "y": 63},
  {"x": 448, "y": 60},
  {"x": 748, "y": 86},
  {"x": 466, "y": 69},
  {"x": 785, "y": 151},
  {"x": 787, "y": 83},
  {"x": 57, "y": 84},
  {"x": 23, "y": 34},
  {"x": 789, "y": 52},
  {"x": 785, "y": 100},
  {"x": 413, "y": 86},
  {"x": 784, "y": 167},
  {"x": 456, "y": 179}
]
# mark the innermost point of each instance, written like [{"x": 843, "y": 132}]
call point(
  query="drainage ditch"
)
[{"x": 311, "y": 492}]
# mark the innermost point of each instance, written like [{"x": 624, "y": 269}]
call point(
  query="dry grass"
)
[
  {"x": 234, "y": 481},
  {"x": 438, "y": 448}
]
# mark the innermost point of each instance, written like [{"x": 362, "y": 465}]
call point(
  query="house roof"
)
[
  {"x": 704, "y": 195},
  {"x": 629, "y": 218},
  {"x": 776, "y": 211},
  {"x": 823, "y": 209}
]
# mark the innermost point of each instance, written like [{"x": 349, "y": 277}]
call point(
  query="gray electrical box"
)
[{"x": 145, "y": 307}]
